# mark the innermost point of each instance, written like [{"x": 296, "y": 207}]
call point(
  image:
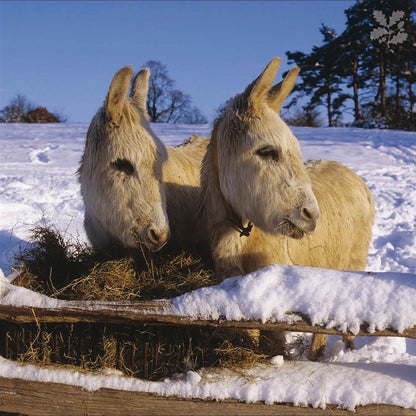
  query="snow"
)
[
  {"x": 336, "y": 299},
  {"x": 348, "y": 384},
  {"x": 20, "y": 296},
  {"x": 38, "y": 179}
]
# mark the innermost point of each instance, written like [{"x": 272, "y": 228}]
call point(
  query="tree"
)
[
  {"x": 41, "y": 115},
  {"x": 408, "y": 73},
  {"x": 194, "y": 116},
  {"x": 372, "y": 63},
  {"x": 17, "y": 109},
  {"x": 385, "y": 33},
  {"x": 403, "y": 70},
  {"x": 305, "y": 117},
  {"x": 165, "y": 103},
  {"x": 179, "y": 103},
  {"x": 21, "y": 110},
  {"x": 319, "y": 81},
  {"x": 351, "y": 45}
]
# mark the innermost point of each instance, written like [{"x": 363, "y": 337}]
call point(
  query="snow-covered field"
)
[{"x": 38, "y": 166}]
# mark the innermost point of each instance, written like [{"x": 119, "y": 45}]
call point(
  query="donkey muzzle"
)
[
  {"x": 156, "y": 239},
  {"x": 302, "y": 220},
  {"x": 310, "y": 217},
  {"x": 305, "y": 218},
  {"x": 153, "y": 237}
]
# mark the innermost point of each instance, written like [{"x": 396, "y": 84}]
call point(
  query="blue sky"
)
[{"x": 63, "y": 54}]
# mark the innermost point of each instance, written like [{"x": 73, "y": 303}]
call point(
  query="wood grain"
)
[
  {"x": 53, "y": 399},
  {"x": 160, "y": 312}
]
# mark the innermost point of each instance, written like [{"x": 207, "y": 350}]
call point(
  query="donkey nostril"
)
[
  {"x": 157, "y": 238},
  {"x": 306, "y": 214},
  {"x": 154, "y": 236}
]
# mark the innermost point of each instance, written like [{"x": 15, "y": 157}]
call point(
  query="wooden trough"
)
[{"x": 90, "y": 319}]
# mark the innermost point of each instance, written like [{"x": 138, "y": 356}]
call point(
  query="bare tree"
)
[
  {"x": 179, "y": 103},
  {"x": 21, "y": 110},
  {"x": 194, "y": 116},
  {"x": 165, "y": 103},
  {"x": 17, "y": 110}
]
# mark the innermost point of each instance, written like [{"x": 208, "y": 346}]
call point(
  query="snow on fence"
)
[
  {"x": 52, "y": 399},
  {"x": 162, "y": 312},
  {"x": 284, "y": 298}
]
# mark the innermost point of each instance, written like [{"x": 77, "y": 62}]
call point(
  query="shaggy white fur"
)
[
  {"x": 130, "y": 181},
  {"x": 262, "y": 175}
]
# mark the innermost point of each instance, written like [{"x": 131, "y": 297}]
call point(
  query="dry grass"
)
[
  {"x": 150, "y": 352},
  {"x": 236, "y": 356},
  {"x": 58, "y": 266},
  {"x": 63, "y": 268}
]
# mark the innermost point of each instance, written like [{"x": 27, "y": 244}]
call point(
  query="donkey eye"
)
[
  {"x": 268, "y": 153},
  {"x": 123, "y": 165}
]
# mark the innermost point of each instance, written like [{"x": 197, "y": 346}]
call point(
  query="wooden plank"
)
[
  {"x": 53, "y": 399},
  {"x": 160, "y": 312}
]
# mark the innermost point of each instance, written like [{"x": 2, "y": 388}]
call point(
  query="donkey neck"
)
[
  {"x": 215, "y": 210},
  {"x": 232, "y": 216},
  {"x": 181, "y": 175}
]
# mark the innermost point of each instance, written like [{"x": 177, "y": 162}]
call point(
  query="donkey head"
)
[
  {"x": 121, "y": 169},
  {"x": 260, "y": 169}
]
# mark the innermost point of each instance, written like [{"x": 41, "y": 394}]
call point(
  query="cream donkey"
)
[
  {"x": 130, "y": 182},
  {"x": 253, "y": 176}
]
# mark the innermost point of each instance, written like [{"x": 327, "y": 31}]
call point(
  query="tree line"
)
[
  {"x": 21, "y": 110},
  {"x": 165, "y": 104},
  {"x": 369, "y": 69}
]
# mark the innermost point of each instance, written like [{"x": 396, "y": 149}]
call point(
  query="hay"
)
[
  {"x": 58, "y": 266},
  {"x": 234, "y": 357},
  {"x": 150, "y": 352}
]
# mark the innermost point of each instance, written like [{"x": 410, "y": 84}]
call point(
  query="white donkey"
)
[
  {"x": 260, "y": 204},
  {"x": 130, "y": 181}
]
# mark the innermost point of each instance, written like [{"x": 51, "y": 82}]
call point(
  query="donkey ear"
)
[
  {"x": 140, "y": 87},
  {"x": 117, "y": 93},
  {"x": 278, "y": 94},
  {"x": 258, "y": 89}
]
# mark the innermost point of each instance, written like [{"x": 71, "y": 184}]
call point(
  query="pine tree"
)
[
  {"x": 319, "y": 81},
  {"x": 351, "y": 45},
  {"x": 408, "y": 73},
  {"x": 372, "y": 63},
  {"x": 383, "y": 27}
]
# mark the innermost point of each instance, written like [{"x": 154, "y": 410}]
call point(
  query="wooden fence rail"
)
[
  {"x": 34, "y": 398},
  {"x": 53, "y": 399},
  {"x": 160, "y": 312}
]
